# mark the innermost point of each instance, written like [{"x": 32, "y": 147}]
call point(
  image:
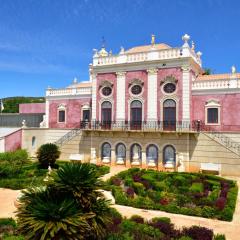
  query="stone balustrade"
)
[
  {"x": 68, "y": 91},
  {"x": 165, "y": 54},
  {"x": 215, "y": 84}
]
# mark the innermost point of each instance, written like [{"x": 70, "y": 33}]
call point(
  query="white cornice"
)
[
  {"x": 68, "y": 97},
  {"x": 216, "y": 91}
]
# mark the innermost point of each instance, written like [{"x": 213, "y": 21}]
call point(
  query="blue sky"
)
[{"x": 49, "y": 42}]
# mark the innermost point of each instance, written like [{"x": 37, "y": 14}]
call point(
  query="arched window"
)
[
  {"x": 169, "y": 115},
  {"x": 136, "y": 115},
  {"x": 106, "y": 114},
  {"x": 106, "y": 152},
  {"x": 169, "y": 156},
  {"x": 152, "y": 155},
  {"x": 120, "y": 153},
  {"x": 61, "y": 113},
  {"x": 136, "y": 154}
]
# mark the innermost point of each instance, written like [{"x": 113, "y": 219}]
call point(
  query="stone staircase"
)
[
  {"x": 225, "y": 141},
  {"x": 69, "y": 143}
]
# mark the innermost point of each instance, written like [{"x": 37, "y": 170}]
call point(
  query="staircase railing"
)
[
  {"x": 68, "y": 136},
  {"x": 225, "y": 141}
]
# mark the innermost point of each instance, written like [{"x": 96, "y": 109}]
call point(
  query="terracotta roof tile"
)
[
  {"x": 216, "y": 77},
  {"x": 80, "y": 85},
  {"x": 146, "y": 48}
]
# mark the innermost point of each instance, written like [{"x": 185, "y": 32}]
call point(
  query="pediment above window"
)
[
  {"x": 62, "y": 106},
  {"x": 136, "y": 81},
  {"x": 106, "y": 83},
  {"x": 212, "y": 103},
  {"x": 169, "y": 79}
]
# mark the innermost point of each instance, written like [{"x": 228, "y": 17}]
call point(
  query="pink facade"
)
[
  {"x": 73, "y": 108},
  {"x": 162, "y": 73},
  {"x": 229, "y": 110},
  {"x": 13, "y": 141},
  {"x": 32, "y": 108}
]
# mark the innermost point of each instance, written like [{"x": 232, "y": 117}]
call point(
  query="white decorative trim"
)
[
  {"x": 94, "y": 97},
  {"x": 100, "y": 107},
  {"x": 129, "y": 106},
  {"x": 85, "y": 107},
  {"x": 213, "y": 103},
  {"x": 175, "y": 99},
  {"x": 47, "y": 113},
  {"x": 121, "y": 92},
  {"x": 62, "y": 107},
  {"x": 152, "y": 95},
  {"x": 186, "y": 93}
]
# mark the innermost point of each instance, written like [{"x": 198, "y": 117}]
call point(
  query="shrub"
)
[
  {"x": 220, "y": 203},
  {"x": 47, "y": 154},
  {"x": 161, "y": 219},
  {"x": 130, "y": 192},
  {"x": 137, "y": 219},
  {"x": 208, "y": 212},
  {"x": 116, "y": 181},
  {"x": 164, "y": 201},
  {"x": 196, "y": 187},
  {"x": 219, "y": 237},
  {"x": 103, "y": 169},
  {"x": 185, "y": 238},
  {"x": 139, "y": 188},
  {"x": 198, "y": 233},
  {"x": 159, "y": 186},
  {"x": 119, "y": 196},
  {"x": 11, "y": 163}
]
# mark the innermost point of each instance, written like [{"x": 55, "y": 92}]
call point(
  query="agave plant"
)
[{"x": 45, "y": 214}]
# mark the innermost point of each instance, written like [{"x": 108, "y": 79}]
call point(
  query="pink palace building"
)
[{"x": 149, "y": 106}]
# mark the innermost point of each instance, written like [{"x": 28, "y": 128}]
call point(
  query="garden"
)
[{"x": 193, "y": 194}]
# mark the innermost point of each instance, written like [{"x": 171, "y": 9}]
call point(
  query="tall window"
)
[
  {"x": 136, "y": 114},
  {"x": 152, "y": 153},
  {"x": 212, "y": 115},
  {"x": 121, "y": 152},
  {"x": 136, "y": 152},
  {"x": 169, "y": 156},
  {"x": 169, "y": 115},
  {"x": 106, "y": 114},
  {"x": 61, "y": 116},
  {"x": 106, "y": 151}
]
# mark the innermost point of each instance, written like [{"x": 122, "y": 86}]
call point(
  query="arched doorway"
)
[
  {"x": 136, "y": 115},
  {"x": 106, "y": 116},
  {"x": 169, "y": 156},
  {"x": 169, "y": 115},
  {"x": 120, "y": 153}
]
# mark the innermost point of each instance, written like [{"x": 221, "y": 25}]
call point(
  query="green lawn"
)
[{"x": 183, "y": 193}]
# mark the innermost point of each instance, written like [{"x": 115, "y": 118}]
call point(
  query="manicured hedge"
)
[{"x": 183, "y": 193}]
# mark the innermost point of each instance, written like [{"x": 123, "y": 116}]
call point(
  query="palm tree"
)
[{"x": 69, "y": 207}]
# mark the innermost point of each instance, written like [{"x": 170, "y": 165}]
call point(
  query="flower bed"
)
[
  {"x": 157, "y": 228},
  {"x": 183, "y": 193}
]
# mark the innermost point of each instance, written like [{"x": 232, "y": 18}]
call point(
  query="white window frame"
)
[
  {"x": 61, "y": 107},
  {"x": 212, "y": 104}
]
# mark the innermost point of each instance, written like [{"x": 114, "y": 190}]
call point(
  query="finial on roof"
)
[
  {"x": 122, "y": 50},
  {"x": 103, "y": 52},
  {"x": 193, "y": 46},
  {"x": 199, "y": 54},
  {"x": 95, "y": 52},
  {"x": 153, "y": 40},
  {"x": 233, "y": 69},
  {"x": 185, "y": 38},
  {"x": 110, "y": 52},
  {"x": 75, "y": 80}
]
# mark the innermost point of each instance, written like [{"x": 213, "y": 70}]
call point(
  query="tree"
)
[
  {"x": 47, "y": 154},
  {"x": 70, "y": 206}
]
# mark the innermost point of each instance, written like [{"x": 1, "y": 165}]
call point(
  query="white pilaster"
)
[
  {"x": 152, "y": 95},
  {"x": 186, "y": 94},
  {"x": 94, "y": 97},
  {"x": 47, "y": 113},
  {"x": 121, "y": 88}
]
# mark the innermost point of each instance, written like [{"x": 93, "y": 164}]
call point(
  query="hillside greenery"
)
[{"x": 11, "y": 104}]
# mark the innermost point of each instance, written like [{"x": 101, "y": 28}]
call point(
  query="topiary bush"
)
[{"x": 47, "y": 155}]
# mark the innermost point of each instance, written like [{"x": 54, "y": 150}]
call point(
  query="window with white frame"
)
[
  {"x": 212, "y": 112},
  {"x": 61, "y": 113}
]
